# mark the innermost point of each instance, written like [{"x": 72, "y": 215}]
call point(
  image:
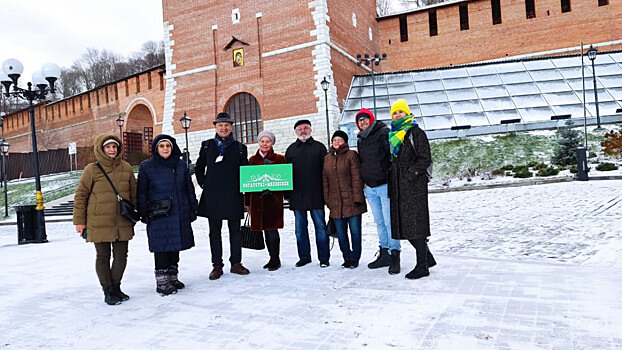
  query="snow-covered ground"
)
[{"x": 534, "y": 267}]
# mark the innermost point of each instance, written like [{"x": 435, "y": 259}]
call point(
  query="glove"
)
[
  {"x": 265, "y": 193},
  {"x": 358, "y": 204},
  {"x": 193, "y": 216}
]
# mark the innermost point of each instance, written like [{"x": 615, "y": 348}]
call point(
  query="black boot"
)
[
  {"x": 162, "y": 284},
  {"x": 110, "y": 297},
  {"x": 431, "y": 261},
  {"x": 119, "y": 293},
  {"x": 273, "y": 244},
  {"x": 172, "y": 277},
  {"x": 383, "y": 259},
  {"x": 394, "y": 268},
  {"x": 421, "y": 269}
]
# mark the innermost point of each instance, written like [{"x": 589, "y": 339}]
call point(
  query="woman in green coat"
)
[{"x": 96, "y": 211}]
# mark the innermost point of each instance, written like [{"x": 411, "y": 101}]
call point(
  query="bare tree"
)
[
  {"x": 70, "y": 82},
  {"x": 383, "y": 7},
  {"x": 150, "y": 55},
  {"x": 411, "y": 4}
]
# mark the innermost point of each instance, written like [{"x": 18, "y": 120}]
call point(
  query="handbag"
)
[
  {"x": 331, "y": 228},
  {"x": 251, "y": 239},
  {"x": 159, "y": 208},
  {"x": 126, "y": 208}
]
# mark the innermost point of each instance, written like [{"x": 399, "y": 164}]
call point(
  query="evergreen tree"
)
[{"x": 565, "y": 151}]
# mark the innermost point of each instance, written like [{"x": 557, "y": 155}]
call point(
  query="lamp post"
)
[
  {"x": 591, "y": 54},
  {"x": 120, "y": 121},
  {"x": 185, "y": 123},
  {"x": 371, "y": 62},
  {"x": 4, "y": 148},
  {"x": 48, "y": 74},
  {"x": 325, "y": 85}
]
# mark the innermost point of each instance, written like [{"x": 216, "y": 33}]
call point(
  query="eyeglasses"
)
[
  {"x": 338, "y": 140},
  {"x": 301, "y": 128}
]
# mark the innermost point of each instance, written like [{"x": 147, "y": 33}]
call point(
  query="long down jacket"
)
[
  {"x": 158, "y": 180},
  {"x": 408, "y": 188},
  {"x": 96, "y": 205},
  {"x": 343, "y": 187},
  {"x": 266, "y": 211}
]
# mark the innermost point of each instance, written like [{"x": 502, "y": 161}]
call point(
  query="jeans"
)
[
  {"x": 302, "y": 235},
  {"x": 379, "y": 202},
  {"x": 215, "y": 241},
  {"x": 354, "y": 222}
]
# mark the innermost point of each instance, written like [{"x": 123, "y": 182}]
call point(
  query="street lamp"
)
[
  {"x": 325, "y": 85},
  {"x": 120, "y": 122},
  {"x": 371, "y": 62},
  {"x": 4, "y": 148},
  {"x": 591, "y": 54},
  {"x": 48, "y": 74},
  {"x": 185, "y": 123}
]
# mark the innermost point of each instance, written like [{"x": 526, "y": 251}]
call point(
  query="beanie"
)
[
  {"x": 340, "y": 133},
  {"x": 400, "y": 105},
  {"x": 268, "y": 134}
]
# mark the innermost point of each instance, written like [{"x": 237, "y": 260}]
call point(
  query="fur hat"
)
[
  {"x": 268, "y": 134},
  {"x": 400, "y": 105}
]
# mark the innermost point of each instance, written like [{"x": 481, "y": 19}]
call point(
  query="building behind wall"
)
[{"x": 283, "y": 48}]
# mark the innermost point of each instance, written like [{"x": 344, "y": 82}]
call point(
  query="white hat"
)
[{"x": 110, "y": 141}]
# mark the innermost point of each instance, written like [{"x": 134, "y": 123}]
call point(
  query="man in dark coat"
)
[
  {"x": 408, "y": 185},
  {"x": 373, "y": 147},
  {"x": 307, "y": 157},
  {"x": 218, "y": 173}
]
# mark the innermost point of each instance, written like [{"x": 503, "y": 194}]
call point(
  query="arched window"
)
[{"x": 245, "y": 111}]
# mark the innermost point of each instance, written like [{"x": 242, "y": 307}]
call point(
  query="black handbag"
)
[
  {"x": 126, "y": 208},
  {"x": 331, "y": 228},
  {"x": 251, "y": 239},
  {"x": 159, "y": 208}
]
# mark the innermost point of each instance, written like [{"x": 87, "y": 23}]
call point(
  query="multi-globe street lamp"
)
[
  {"x": 44, "y": 80},
  {"x": 4, "y": 148},
  {"x": 185, "y": 123},
  {"x": 371, "y": 62},
  {"x": 591, "y": 54},
  {"x": 325, "y": 85}
]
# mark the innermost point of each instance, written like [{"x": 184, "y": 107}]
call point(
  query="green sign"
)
[{"x": 273, "y": 177}]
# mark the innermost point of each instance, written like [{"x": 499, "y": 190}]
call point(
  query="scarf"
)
[
  {"x": 399, "y": 128},
  {"x": 363, "y": 134},
  {"x": 222, "y": 144}
]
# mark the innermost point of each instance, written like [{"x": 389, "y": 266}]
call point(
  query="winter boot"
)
[
  {"x": 110, "y": 297},
  {"x": 172, "y": 277},
  {"x": 421, "y": 269},
  {"x": 383, "y": 259},
  {"x": 119, "y": 293},
  {"x": 274, "y": 247},
  {"x": 162, "y": 283},
  {"x": 394, "y": 268},
  {"x": 431, "y": 261}
]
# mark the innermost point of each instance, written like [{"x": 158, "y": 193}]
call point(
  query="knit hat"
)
[
  {"x": 400, "y": 105},
  {"x": 340, "y": 133},
  {"x": 110, "y": 141},
  {"x": 364, "y": 113},
  {"x": 268, "y": 134},
  {"x": 302, "y": 121},
  {"x": 223, "y": 117}
]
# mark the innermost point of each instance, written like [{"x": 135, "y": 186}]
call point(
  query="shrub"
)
[
  {"x": 613, "y": 144},
  {"x": 136, "y": 157},
  {"x": 606, "y": 167},
  {"x": 532, "y": 164},
  {"x": 574, "y": 169},
  {"x": 548, "y": 171},
  {"x": 569, "y": 140},
  {"x": 508, "y": 173},
  {"x": 497, "y": 172},
  {"x": 507, "y": 167},
  {"x": 520, "y": 168},
  {"x": 522, "y": 173},
  {"x": 540, "y": 166}
]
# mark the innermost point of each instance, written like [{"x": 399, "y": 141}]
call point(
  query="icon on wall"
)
[{"x": 238, "y": 57}]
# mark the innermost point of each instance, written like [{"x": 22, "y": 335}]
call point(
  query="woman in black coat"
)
[
  {"x": 167, "y": 203},
  {"x": 408, "y": 185}
]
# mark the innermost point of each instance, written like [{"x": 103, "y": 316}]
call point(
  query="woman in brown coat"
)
[
  {"x": 266, "y": 208},
  {"x": 96, "y": 211},
  {"x": 343, "y": 193}
]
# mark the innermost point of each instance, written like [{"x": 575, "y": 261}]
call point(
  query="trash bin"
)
[
  {"x": 582, "y": 164},
  {"x": 26, "y": 224}
]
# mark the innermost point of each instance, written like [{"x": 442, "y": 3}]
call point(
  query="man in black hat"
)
[
  {"x": 307, "y": 157},
  {"x": 218, "y": 173}
]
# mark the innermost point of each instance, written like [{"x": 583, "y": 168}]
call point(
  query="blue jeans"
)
[
  {"x": 302, "y": 235},
  {"x": 354, "y": 222},
  {"x": 379, "y": 202}
]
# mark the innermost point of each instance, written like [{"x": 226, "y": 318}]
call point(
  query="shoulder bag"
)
[
  {"x": 126, "y": 208},
  {"x": 251, "y": 239}
]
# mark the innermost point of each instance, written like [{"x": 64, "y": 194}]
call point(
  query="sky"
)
[{"x": 35, "y": 32}]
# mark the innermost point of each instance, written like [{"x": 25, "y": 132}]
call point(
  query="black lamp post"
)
[
  {"x": 591, "y": 54},
  {"x": 48, "y": 74},
  {"x": 120, "y": 121},
  {"x": 185, "y": 123},
  {"x": 4, "y": 148},
  {"x": 325, "y": 85},
  {"x": 371, "y": 62}
]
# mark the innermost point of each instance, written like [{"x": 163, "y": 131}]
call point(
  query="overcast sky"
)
[{"x": 59, "y": 31}]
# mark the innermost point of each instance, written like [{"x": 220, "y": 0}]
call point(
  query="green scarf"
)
[{"x": 399, "y": 128}]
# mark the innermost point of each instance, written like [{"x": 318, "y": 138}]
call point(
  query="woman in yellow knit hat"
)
[{"x": 408, "y": 187}]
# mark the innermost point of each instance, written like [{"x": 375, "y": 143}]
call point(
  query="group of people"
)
[{"x": 389, "y": 172}]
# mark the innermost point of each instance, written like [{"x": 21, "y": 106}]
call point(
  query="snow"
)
[{"x": 533, "y": 267}]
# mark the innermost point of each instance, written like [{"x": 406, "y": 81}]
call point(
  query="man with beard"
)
[{"x": 307, "y": 157}]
